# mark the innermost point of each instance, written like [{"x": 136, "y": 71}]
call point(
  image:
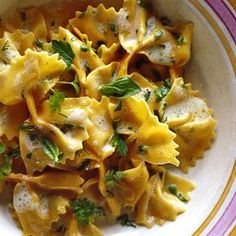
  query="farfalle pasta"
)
[{"x": 93, "y": 111}]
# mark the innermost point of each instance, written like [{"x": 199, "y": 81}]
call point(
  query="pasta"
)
[{"x": 93, "y": 111}]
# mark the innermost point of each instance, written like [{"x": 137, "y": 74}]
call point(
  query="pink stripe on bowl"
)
[
  {"x": 225, "y": 220},
  {"x": 225, "y": 15}
]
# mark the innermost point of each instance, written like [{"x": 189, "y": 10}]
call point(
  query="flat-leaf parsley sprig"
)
[{"x": 85, "y": 211}]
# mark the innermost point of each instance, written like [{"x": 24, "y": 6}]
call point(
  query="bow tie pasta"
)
[{"x": 93, "y": 112}]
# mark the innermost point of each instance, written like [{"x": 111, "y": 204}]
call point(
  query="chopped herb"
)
[
  {"x": 76, "y": 86},
  {"x": 15, "y": 153},
  {"x": 5, "y": 46},
  {"x": 147, "y": 95},
  {"x": 158, "y": 34},
  {"x": 156, "y": 74},
  {"x": 2, "y": 148},
  {"x": 119, "y": 106},
  {"x": 145, "y": 4},
  {"x": 181, "y": 40},
  {"x": 27, "y": 126},
  {"x": 163, "y": 90},
  {"x": 84, "y": 48},
  {"x": 143, "y": 149},
  {"x": 23, "y": 16},
  {"x": 65, "y": 51},
  {"x": 85, "y": 210},
  {"x": 51, "y": 150},
  {"x": 112, "y": 177},
  {"x": 39, "y": 43},
  {"x": 119, "y": 144},
  {"x": 121, "y": 88},
  {"x": 112, "y": 27},
  {"x": 173, "y": 189},
  {"x": 6, "y": 167},
  {"x": 55, "y": 102},
  {"x": 125, "y": 221}
]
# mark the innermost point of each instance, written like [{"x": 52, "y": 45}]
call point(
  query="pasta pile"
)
[{"x": 92, "y": 111}]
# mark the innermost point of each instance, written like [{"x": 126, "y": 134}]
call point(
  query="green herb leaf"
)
[
  {"x": 85, "y": 210},
  {"x": 55, "y": 102},
  {"x": 39, "y": 43},
  {"x": 121, "y": 88},
  {"x": 163, "y": 90},
  {"x": 125, "y": 221},
  {"x": 119, "y": 144},
  {"x": 5, "y": 46},
  {"x": 173, "y": 189},
  {"x": 51, "y": 150},
  {"x": 147, "y": 95},
  {"x": 6, "y": 167},
  {"x": 2, "y": 148},
  {"x": 84, "y": 48},
  {"x": 158, "y": 34},
  {"x": 65, "y": 51},
  {"x": 76, "y": 87},
  {"x": 142, "y": 149},
  {"x": 113, "y": 28},
  {"x": 112, "y": 177},
  {"x": 27, "y": 126},
  {"x": 181, "y": 40}
]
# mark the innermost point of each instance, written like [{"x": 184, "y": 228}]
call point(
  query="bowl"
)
[{"x": 212, "y": 70}]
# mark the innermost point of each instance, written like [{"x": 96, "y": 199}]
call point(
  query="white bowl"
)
[{"x": 211, "y": 70}]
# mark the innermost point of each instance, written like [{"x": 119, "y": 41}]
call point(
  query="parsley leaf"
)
[
  {"x": 39, "y": 43},
  {"x": 173, "y": 189},
  {"x": 51, "y": 150},
  {"x": 143, "y": 149},
  {"x": 119, "y": 144},
  {"x": 2, "y": 148},
  {"x": 147, "y": 95},
  {"x": 65, "y": 51},
  {"x": 27, "y": 126},
  {"x": 76, "y": 86},
  {"x": 112, "y": 177},
  {"x": 158, "y": 34},
  {"x": 85, "y": 210},
  {"x": 125, "y": 221},
  {"x": 5, "y": 46},
  {"x": 55, "y": 102},
  {"x": 84, "y": 48},
  {"x": 163, "y": 90},
  {"x": 6, "y": 167},
  {"x": 181, "y": 40},
  {"x": 121, "y": 88}
]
